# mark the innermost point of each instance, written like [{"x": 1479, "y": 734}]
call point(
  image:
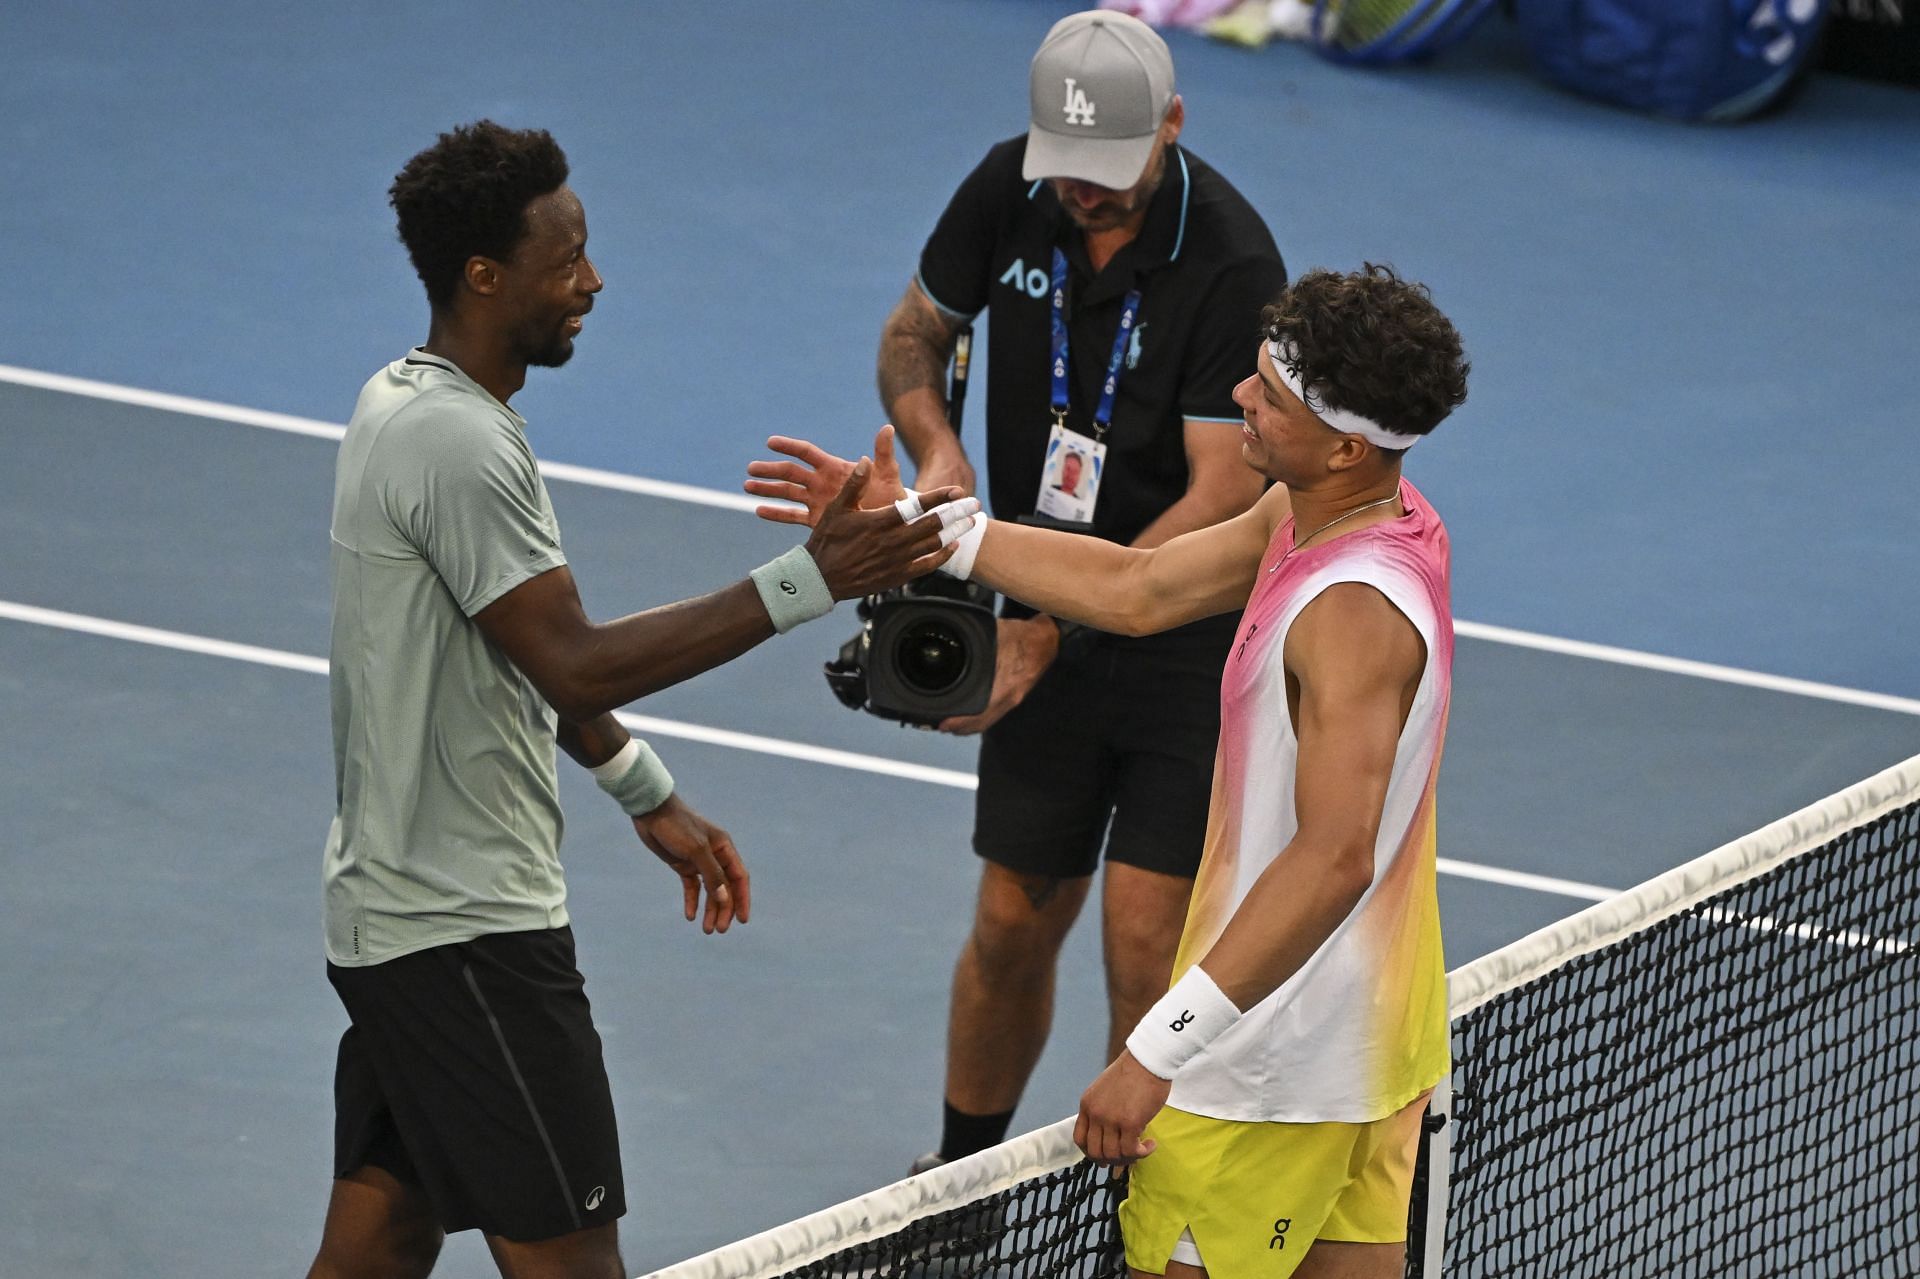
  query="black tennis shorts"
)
[
  {"x": 473, "y": 1071},
  {"x": 1115, "y": 746}
]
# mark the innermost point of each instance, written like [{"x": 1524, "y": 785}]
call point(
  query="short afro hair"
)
[
  {"x": 467, "y": 195},
  {"x": 1370, "y": 343}
]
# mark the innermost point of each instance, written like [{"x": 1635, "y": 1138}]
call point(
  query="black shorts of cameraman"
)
[{"x": 1114, "y": 748}]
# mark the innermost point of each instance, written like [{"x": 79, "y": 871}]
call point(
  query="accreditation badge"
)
[{"x": 1070, "y": 478}]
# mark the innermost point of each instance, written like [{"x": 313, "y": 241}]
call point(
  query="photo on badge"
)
[{"x": 1070, "y": 476}]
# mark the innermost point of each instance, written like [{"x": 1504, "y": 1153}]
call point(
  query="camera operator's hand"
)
[
  {"x": 1026, "y": 647},
  {"x": 816, "y": 475},
  {"x": 946, "y": 469},
  {"x": 861, "y": 551}
]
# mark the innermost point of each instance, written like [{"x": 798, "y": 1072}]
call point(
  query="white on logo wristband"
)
[
  {"x": 635, "y": 778},
  {"x": 1186, "y": 1019}
]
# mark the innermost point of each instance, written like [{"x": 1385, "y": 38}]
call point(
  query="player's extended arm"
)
[
  {"x": 1358, "y": 662},
  {"x": 585, "y": 669},
  {"x": 1220, "y": 485},
  {"x": 1131, "y": 590},
  {"x": 915, "y": 346}
]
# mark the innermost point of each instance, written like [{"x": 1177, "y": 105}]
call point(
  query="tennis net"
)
[{"x": 1714, "y": 1073}]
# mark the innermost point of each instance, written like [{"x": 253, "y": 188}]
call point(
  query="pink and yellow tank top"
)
[{"x": 1361, "y": 1029}]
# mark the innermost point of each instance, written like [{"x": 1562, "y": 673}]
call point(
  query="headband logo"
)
[
  {"x": 1079, "y": 110},
  {"x": 1288, "y": 357}
]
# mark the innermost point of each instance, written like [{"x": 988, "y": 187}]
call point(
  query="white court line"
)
[
  {"x": 1522, "y": 879},
  {"x": 1685, "y": 666},
  {"x": 646, "y": 724},
  {"x": 233, "y": 413},
  {"x": 109, "y": 629},
  {"x": 742, "y": 502}
]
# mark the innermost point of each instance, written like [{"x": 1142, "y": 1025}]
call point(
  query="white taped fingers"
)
[
  {"x": 909, "y": 507},
  {"x": 957, "y": 518}
]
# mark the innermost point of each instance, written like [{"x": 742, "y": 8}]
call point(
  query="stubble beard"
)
[
  {"x": 550, "y": 350},
  {"x": 1111, "y": 214}
]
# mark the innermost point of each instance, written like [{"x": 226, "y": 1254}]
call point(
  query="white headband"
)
[{"x": 1339, "y": 419}]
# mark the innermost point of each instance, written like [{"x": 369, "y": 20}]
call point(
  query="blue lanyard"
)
[{"x": 1103, "y": 415}]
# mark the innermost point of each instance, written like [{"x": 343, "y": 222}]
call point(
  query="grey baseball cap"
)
[{"x": 1099, "y": 88}]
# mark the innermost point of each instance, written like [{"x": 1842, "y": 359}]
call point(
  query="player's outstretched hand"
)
[
  {"x": 814, "y": 476},
  {"x": 862, "y": 551},
  {"x": 703, "y": 856},
  {"x": 1115, "y": 1109}
]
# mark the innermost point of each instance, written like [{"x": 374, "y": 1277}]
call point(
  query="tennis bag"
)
[{"x": 1693, "y": 59}]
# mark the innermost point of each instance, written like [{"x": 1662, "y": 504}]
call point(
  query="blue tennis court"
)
[{"x": 1678, "y": 498}]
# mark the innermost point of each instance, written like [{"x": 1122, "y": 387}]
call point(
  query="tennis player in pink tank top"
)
[{"x": 1270, "y": 1104}]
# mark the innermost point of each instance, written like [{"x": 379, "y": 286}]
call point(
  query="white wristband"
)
[
  {"x": 966, "y": 550},
  {"x": 635, "y": 777},
  {"x": 1186, "y": 1020}
]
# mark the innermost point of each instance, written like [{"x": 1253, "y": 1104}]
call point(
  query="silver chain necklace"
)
[{"x": 1298, "y": 542}]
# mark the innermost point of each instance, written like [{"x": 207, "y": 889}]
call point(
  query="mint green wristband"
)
[
  {"x": 792, "y": 589},
  {"x": 636, "y": 778}
]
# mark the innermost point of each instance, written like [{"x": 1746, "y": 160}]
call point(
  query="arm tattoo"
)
[{"x": 914, "y": 349}]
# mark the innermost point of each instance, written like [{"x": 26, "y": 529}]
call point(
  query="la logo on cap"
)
[{"x": 1079, "y": 110}]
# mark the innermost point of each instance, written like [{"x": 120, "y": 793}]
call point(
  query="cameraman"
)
[{"x": 1109, "y": 740}]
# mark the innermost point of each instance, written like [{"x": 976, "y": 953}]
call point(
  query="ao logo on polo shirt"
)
[{"x": 1033, "y": 283}]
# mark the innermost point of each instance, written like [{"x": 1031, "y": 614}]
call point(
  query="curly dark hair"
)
[
  {"x": 1371, "y": 343},
  {"x": 467, "y": 196}
]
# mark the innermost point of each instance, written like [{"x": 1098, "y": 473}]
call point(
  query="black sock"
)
[{"x": 962, "y": 1134}]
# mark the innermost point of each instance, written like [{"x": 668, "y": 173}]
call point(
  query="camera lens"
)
[{"x": 930, "y": 657}]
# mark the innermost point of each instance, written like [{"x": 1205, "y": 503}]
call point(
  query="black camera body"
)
[{"x": 925, "y": 652}]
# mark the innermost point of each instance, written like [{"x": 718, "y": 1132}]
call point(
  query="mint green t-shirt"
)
[{"x": 448, "y": 822}]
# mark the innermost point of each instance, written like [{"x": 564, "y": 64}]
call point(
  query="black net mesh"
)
[
  {"x": 1060, "y": 1225},
  {"x": 1728, "y": 1092}
]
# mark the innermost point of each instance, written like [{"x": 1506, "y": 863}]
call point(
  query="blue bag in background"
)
[{"x": 1692, "y": 59}]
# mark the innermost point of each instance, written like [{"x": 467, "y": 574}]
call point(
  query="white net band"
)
[
  {"x": 1683, "y": 887},
  {"x": 885, "y": 1211}
]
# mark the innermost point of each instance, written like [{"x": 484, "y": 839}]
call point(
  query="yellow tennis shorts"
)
[{"x": 1257, "y": 1195}]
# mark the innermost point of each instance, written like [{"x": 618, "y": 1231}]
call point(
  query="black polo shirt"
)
[{"x": 1204, "y": 263}]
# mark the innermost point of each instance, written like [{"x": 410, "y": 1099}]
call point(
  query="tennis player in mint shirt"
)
[{"x": 470, "y": 1092}]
